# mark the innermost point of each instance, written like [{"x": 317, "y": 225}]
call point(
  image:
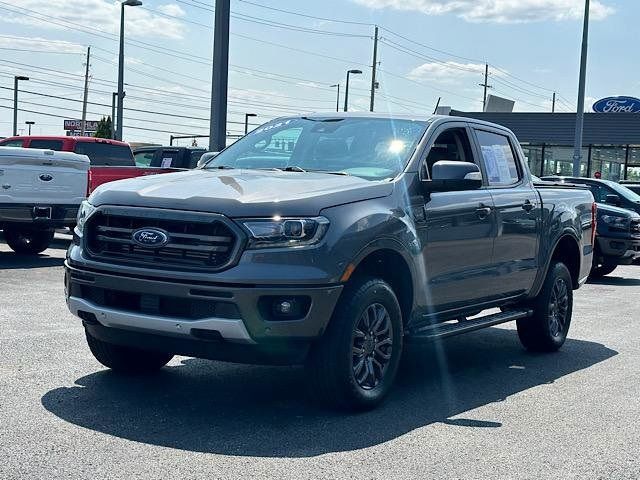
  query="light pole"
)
[
  {"x": 577, "y": 153},
  {"x": 338, "y": 97},
  {"x": 126, "y": 3},
  {"x": 246, "y": 121},
  {"x": 113, "y": 114},
  {"x": 29, "y": 122},
  {"x": 346, "y": 91},
  {"x": 16, "y": 79}
]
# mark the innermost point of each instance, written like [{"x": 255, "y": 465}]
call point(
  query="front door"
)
[{"x": 460, "y": 229}]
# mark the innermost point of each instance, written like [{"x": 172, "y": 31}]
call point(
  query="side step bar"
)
[{"x": 444, "y": 330}]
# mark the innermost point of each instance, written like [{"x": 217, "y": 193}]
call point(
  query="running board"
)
[{"x": 444, "y": 330}]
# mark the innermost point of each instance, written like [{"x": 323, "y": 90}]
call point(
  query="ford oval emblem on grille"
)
[
  {"x": 45, "y": 177},
  {"x": 150, "y": 237}
]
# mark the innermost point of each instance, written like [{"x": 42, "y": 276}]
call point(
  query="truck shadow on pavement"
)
[
  {"x": 10, "y": 260},
  {"x": 264, "y": 411},
  {"x": 616, "y": 281}
]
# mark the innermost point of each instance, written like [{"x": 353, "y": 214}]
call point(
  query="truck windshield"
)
[{"x": 371, "y": 148}]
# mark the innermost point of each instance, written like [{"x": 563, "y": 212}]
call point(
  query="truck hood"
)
[
  {"x": 241, "y": 193},
  {"x": 606, "y": 209}
]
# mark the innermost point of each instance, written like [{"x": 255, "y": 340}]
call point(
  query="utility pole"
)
[
  {"x": 553, "y": 103},
  {"x": 113, "y": 115},
  {"x": 219, "y": 77},
  {"x": 486, "y": 86},
  {"x": 86, "y": 94},
  {"x": 374, "y": 66},
  {"x": 577, "y": 152}
]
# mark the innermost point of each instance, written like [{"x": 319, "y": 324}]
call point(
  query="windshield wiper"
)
[
  {"x": 294, "y": 168},
  {"x": 221, "y": 167}
]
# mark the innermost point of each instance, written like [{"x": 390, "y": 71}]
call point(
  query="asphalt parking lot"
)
[{"x": 472, "y": 407}]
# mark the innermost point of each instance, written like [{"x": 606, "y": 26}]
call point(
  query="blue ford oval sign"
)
[
  {"x": 617, "y": 105},
  {"x": 150, "y": 237}
]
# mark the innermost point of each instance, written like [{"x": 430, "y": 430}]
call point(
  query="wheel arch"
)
[{"x": 567, "y": 250}]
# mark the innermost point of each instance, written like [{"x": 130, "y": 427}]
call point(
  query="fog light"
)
[{"x": 284, "y": 307}]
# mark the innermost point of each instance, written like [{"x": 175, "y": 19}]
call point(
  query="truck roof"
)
[{"x": 67, "y": 138}]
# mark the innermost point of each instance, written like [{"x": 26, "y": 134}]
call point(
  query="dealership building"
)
[{"x": 611, "y": 141}]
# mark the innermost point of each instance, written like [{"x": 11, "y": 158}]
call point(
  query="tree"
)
[{"x": 104, "y": 128}]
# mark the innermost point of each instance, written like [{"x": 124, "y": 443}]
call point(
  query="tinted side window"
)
[
  {"x": 11, "y": 143},
  {"x": 499, "y": 159},
  {"x": 106, "y": 154},
  {"x": 166, "y": 159},
  {"x": 46, "y": 144},
  {"x": 599, "y": 192}
]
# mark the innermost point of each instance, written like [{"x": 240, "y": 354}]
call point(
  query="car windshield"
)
[
  {"x": 371, "y": 148},
  {"x": 623, "y": 191}
]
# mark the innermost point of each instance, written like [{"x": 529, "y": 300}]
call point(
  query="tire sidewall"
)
[
  {"x": 370, "y": 292},
  {"x": 559, "y": 271}
]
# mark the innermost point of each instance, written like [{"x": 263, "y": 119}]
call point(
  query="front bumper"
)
[
  {"x": 623, "y": 251},
  {"x": 201, "y": 319},
  {"x": 41, "y": 215}
]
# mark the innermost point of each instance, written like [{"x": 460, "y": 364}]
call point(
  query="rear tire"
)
[
  {"x": 546, "y": 330},
  {"x": 124, "y": 359},
  {"x": 28, "y": 241},
  {"x": 354, "y": 364}
]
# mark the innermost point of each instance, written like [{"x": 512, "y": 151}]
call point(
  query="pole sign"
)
[
  {"x": 617, "y": 105},
  {"x": 90, "y": 125}
]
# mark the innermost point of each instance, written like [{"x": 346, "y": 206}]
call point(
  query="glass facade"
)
[{"x": 613, "y": 162}]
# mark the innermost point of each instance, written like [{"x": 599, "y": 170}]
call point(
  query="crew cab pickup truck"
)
[
  {"x": 39, "y": 190},
  {"x": 330, "y": 240},
  {"x": 110, "y": 160},
  {"x": 618, "y": 223}
]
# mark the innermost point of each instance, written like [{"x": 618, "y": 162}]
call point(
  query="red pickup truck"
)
[{"x": 110, "y": 160}]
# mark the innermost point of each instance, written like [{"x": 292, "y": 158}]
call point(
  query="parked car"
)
[
  {"x": 632, "y": 185},
  {"x": 110, "y": 160},
  {"x": 618, "y": 229},
  {"x": 39, "y": 190},
  {"x": 168, "y": 157},
  {"x": 330, "y": 241}
]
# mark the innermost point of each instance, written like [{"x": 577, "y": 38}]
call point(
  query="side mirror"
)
[
  {"x": 449, "y": 176},
  {"x": 206, "y": 157},
  {"x": 613, "y": 200}
]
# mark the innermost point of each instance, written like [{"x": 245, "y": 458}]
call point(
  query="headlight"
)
[
  {"x": 616, "y": 223},
  {"x": 285, "y": 232},
  {"x": 84, "y": 212}
]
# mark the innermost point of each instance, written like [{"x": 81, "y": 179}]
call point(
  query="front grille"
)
[
  {"x": 635, "y": 227},
  {"x": 158, "y": 305},
  {"x": 195, "y": 241}
]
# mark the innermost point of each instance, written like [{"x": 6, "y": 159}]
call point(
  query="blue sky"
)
[{"x": 429, "y": 48}]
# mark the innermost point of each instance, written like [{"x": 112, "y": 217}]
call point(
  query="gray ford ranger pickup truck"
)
[{"x": 330, "y": 240}]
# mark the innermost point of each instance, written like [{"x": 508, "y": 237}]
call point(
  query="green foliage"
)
[{"x": 104, "y": 128}]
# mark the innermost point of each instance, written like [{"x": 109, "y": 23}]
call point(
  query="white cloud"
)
[
  {"x": 97, "y": 14},
  {"x": 498, "y": 11},
  {"x": 448, "y": 72},
  {"x": 37, "y": 43}
]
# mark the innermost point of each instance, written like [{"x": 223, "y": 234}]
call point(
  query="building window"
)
[
  {"x": 609, "y": 161},
  {"x": 633, "y": 164},
  {"x": 533, "y": 154},
  {"x": 559, "y": 161}
]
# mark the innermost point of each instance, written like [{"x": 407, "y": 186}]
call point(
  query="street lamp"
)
[
  {"x": 29, "y": 122},
  {"x": 126, "y": 3},
  {"x": 338, "y": 97},
  {"x": 346, "y": 92},
  {"x": 246, "y": 121},
  {"x": 16, "y": 79}
]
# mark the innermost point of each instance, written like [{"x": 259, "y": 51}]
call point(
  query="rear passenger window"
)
[
  {"x": 499, "y": 159},
  {"x": 46, "y": 144},
  {"x": 12, "y": 143},
  {"x": 106, "y": 154}
]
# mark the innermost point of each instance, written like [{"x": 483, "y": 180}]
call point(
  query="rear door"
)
[
  {"x": 517, "y": 210},
  {"x": 35, "y": 177},
  {"x": 459, "y": 230}
]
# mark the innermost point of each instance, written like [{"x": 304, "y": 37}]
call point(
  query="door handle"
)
[
  {"x": 527, "y": 206},
  {"x": 483, "y": 212}
]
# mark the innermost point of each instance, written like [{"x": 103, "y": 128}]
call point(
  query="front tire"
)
[
  {"x": 125, "y": 359},
  {"x": 546, "y": 330},
  {"x": 28, "y": 241},
  {"x": 354, "y": 364}
]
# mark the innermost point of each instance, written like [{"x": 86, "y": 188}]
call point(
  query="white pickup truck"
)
[{"x": 40, "y": 190}]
